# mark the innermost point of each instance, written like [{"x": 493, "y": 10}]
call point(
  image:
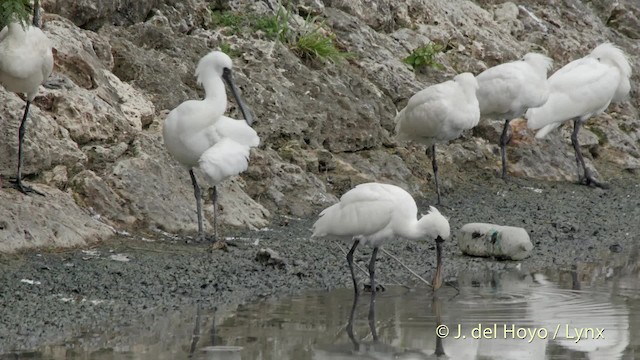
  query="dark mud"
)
[{"x": 82, "y": 289}]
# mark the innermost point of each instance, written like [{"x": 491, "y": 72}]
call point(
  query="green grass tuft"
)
[
  {"x": 11, "y": 10},
  {"x": 425, "y": 56},
  {"x": 313, "y": 43}
]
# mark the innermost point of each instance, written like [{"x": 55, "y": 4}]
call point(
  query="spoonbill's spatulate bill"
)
[
  {"x": 440, "y": 113},
  {"x": 581, "y": 89},
  {"x": 375, "y": 214},
  {"x": 197, "y": 134},
  {"x": 26, "y": 61},
  {"x": 506, "y": 91}
]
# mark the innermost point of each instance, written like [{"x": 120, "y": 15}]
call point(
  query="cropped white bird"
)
[
  {"x": 507, "y": 90},
  {"x": 26, "y": 61},
  {"x": 375, "y": 214},
  {"x": 581, "y": 89},
  {"x": 197, "y": 134},
  {"x": 440, "y": 113}
]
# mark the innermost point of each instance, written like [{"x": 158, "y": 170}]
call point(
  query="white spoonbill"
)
[
  {"x": 197, "y": 134},
  {"x": 440, "y": 113},
  {"x": 507, "y": 90},
  {"x": 26, "y": 61},
  {"x": 581, "y": 89},
  {"x": 375, "y": 214}
]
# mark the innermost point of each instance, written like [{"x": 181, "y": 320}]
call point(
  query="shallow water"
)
[{"x": 589, "y": 312}]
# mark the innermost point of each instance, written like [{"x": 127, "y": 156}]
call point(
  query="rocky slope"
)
[{"x": 95, "y": 146}]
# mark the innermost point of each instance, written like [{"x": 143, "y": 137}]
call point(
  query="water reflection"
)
[{"x": 399, "y": 323}]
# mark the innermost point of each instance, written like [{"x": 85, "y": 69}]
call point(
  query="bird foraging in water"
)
[
  {"x": 508, "y": 90},
  {"x": 581, "y": 89},
  {"x": 375, "y": 214},
  {"x": 26, "y": 61},
  {"x": 197, "y": 134},
  {"x": 438, "y": 114}
]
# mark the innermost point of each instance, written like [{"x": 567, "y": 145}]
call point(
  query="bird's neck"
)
[
  {"x": 214, "y": 88},
  {"x": 414, "y": 229}
]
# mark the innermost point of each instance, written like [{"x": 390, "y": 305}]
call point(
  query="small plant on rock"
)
[
  {"x": 15, "y": 10},
  {"x": 313, "y": 42},
  {"x": 425, "y": 56}
]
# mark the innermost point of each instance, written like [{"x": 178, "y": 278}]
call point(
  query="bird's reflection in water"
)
[{"x": 373, "y": 349}]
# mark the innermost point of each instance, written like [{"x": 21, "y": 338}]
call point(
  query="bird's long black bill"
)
[{"x": 244, "y": 109}]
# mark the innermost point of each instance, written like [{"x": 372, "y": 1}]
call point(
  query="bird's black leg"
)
[
  {"x": 576, "y": 148},
  {"x": 504, "y": 140},
  {"x": 17, "y": 183},
  {"x": 350, "y": 262},
  {"x": 198, "y": 195},
  {"x": 588, "y": 177},
  {"x": 372, "y": 316},
  {"x": 434, "y": 164},
  {"x": 217, "y": 244},
  {"x": 372, "y": 270},
  {"x": 352, "y": 315}
]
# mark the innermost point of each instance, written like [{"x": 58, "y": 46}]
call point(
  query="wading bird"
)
[
  {"x": 581, "y": 89},
  {"x": 375, "y": 214},
  {"x": 440, "y": 113},
  {"x": 26, "y": 61},
  {"x": 197, "y": 134},
  {"x": 507, "y": 90}
]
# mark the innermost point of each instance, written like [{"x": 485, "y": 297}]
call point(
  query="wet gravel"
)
[{"x": 49, "y": 296}]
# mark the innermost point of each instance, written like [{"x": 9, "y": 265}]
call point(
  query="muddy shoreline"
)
[{"x": 49, "y": 296}]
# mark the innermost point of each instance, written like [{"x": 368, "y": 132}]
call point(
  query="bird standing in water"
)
[{"x": 376, "y": 214}]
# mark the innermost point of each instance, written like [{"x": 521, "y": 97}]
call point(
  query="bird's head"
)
[
  {"x": 610, "y": 54},
  {"x": 539, "y": 62},
  {"x": 434, "y": 225},
  {"x": 216, "y": 62}
]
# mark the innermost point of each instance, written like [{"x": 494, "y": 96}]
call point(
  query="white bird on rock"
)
[
  {"x": 26, "y": 61},
  {"x": 440, "y": 113},
  {"x": 197, "y": 134},
  {"x": 581, "y": 89},
  {"x": 508, "y": 90},
  {"x": 375, "y": 214}
]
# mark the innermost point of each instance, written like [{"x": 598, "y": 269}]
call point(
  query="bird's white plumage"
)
[
  {"x": 224, "y": 159},
  {"x": 440, "y": 112},
  {"x": 196, "y": 133},
  {"x": 508, "y": 90},
  {"x": 377, "y": 213},
  {"x": 583, "y": 88},
  {"x": 26, "y": 59}
]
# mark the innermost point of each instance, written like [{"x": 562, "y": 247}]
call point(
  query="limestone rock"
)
[{"x": 47, "y": 221}]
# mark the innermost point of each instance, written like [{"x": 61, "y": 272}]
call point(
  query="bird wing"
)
[
  {"x": 363, "y": 210},
  {"x": 427, "y": 114},
  {"x": 510, "y": 89},
  {"x": 582, "y": 90},
  {"x": 224, "y": 159},
  {"x": 238, "y": 130}
]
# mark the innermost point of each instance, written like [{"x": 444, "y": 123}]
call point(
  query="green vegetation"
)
[
  {"x": 227, "y": 49},
  {"x": 313, "y": 43},
  {"x": 310, "y": 41},
  {"x": 15, "y": 10},
  {"x": 425, "y": 56}
]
